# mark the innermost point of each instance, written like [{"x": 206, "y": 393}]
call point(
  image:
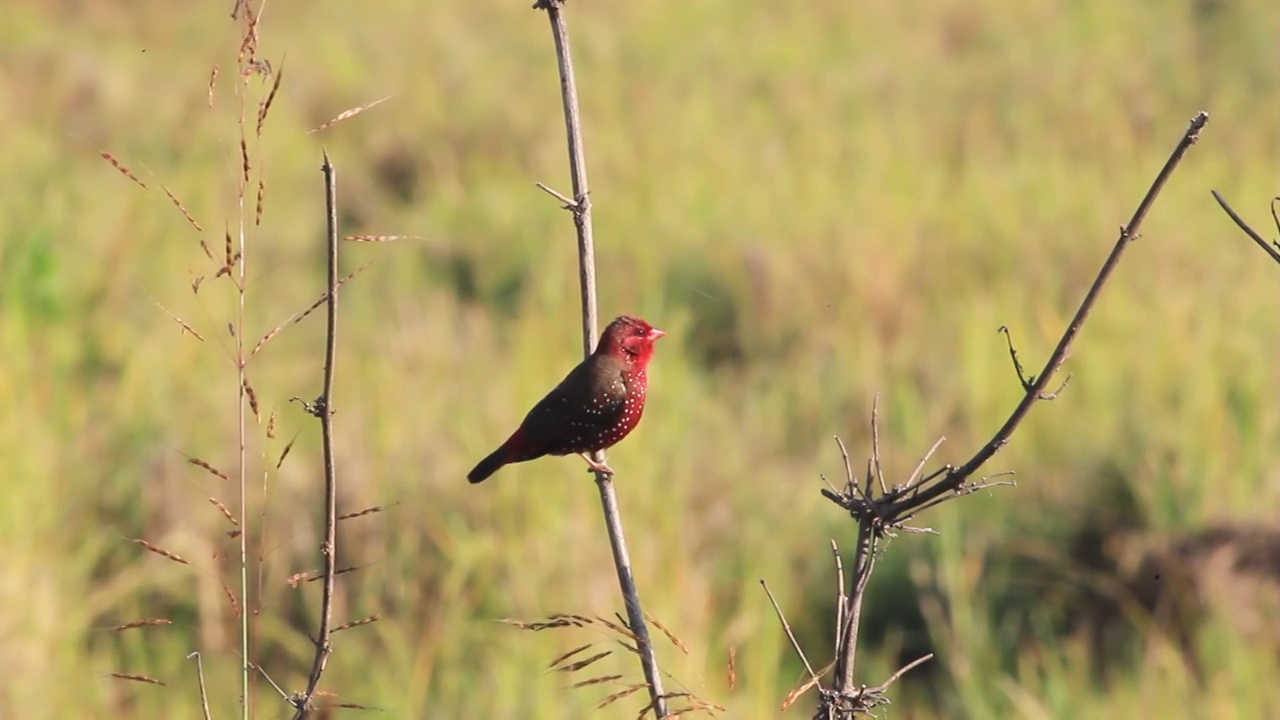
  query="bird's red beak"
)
[{"x": 655, "y": 333}]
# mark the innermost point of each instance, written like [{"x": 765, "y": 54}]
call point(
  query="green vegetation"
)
[{"x": 819, "y": 202}]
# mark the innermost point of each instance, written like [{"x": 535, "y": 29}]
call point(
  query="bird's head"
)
[{"x": 629, "y": 338}]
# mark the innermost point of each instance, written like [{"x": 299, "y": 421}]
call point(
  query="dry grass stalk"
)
[
  {"x": 231, "y": 596},
  {"x": 297, "y": 579},
  {"x": 555, "y": 620},
  {"x": 568, "y": 655},
  {"x": 562, "y": 664},
  {"x": 198, "y": 281},
  {"x": 265, "y": 106},
  {"x": 733, "y": 667},
  {"x": 796, "y": 693},
  {"x": 323, "y": 712},
  {"x": 334, "y": 696},
  {"x": 271, "y": 426},
  {"x": 625, "y": 632},
  {"x": 597, "y": 681},
  {"x": 213, "y": 81},
  {"x": 244, "y": 160},
  {"x": 249, "y": 44},
  {"x": 379, "y": 238},
  {"x": 695, "y": 705},
  {"x": 186, "y": 327},
  {"x": 181, "y": 208},
  {"x": 139, "y": 678},
  {"x": 367, "y": 511},
  {"x": 576, "y": 666},
  {"x": 285, "y": 453},
  {"x": 262, "y": 190},
  {"x": 161, "y": 551},
  {"x": 670, "y": 635},
  {"x": 225, "y": 512},
  {"x": 207, "y": 467},
  {"x": 629, "y": 690},
  {"x": 253, "y": 399},
  {"x": 310, "y": 577},
  {"x": 120, "y": 166},
  {"x": 148, "y": 622},
  {"x": 345, "y": 114},
  {"x": 357, "y": 623},
  {"x": 299, "y": 317}
]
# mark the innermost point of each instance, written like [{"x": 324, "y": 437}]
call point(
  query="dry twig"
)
[
  {"x": 1270, "y": 248},
  {"x": 323, "y": 410}
]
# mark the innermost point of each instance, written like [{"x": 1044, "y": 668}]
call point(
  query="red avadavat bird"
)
[{"x": 597, "y": 404}]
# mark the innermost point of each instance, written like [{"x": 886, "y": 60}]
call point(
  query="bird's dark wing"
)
[{"x": 581, "y": 410}]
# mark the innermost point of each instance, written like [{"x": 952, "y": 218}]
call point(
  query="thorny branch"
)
[
  {"x": 322, "y": 408},
  {"x": 880, "y": 516},
  {"x": 580, "y": 206}
]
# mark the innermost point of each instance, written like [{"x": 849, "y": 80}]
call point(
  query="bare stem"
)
[
  {"x": 786, "y": 626},
  {"x": 864, "y": 560},
  {"x": 581, "y": 209},
  {"x": 323, "y": 409},
  {"x": 204, "y": 694},
  {"x": 241, "y": 425}
]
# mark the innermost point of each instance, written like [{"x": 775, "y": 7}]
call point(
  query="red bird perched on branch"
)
[{"x": 597, "y": 404}]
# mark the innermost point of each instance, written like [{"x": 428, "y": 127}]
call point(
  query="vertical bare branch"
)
[
  {"x": 581, "y": 208},
  {"x": 323, "y": 409},
  {"x": 864, "y": 559}
]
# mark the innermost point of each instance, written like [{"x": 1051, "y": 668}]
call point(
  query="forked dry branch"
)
[{"x": 882, "y": 508}]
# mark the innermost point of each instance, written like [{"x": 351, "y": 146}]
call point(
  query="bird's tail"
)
[
  {"x": 489, "y": 465},
  {"x": 514, "y": 450}
]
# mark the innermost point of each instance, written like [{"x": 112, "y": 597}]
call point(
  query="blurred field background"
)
[{"x": 819, "y": 201}]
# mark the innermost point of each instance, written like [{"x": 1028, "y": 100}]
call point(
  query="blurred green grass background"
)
[{"x": 820, "y": 202}]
